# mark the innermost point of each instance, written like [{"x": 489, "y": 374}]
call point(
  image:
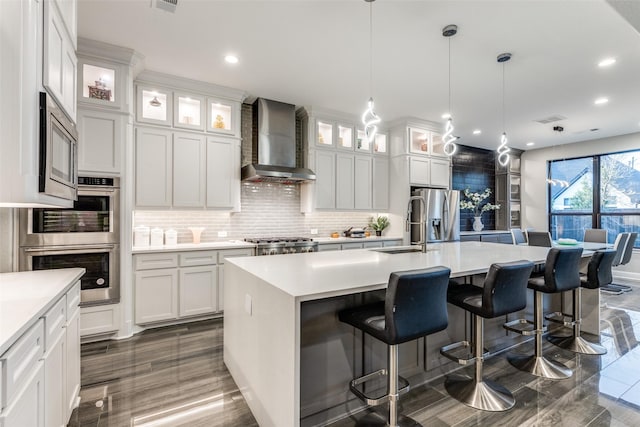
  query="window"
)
[{"x": 595, "y": 192}]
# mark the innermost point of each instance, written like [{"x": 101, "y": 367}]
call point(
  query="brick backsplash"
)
[
  {"x": 474, "y": 168},
  {"x": 268, "y": 209}
]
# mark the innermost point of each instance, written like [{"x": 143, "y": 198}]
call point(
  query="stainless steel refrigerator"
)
[{"x": 441, "y": 218}]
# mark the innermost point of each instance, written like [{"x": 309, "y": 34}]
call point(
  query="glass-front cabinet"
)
[
  {"x": 422, "y": 141},
  {"x": 98, "y": 83},
  {"x": 221, "y": 116},
  {"x": 324, "y": 133},
  {"x": 154, "y": 105},
  {"x": 188, "y": 111},
  {"x": 380, "y": 144},
  {"x": 437, "y": 145},
  {"x": 362, "y": 142},
  {"x": 345, "y": 137}
]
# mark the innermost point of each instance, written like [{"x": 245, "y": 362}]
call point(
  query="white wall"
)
[{"x": 534, "y": 186}]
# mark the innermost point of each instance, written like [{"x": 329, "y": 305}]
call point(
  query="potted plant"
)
[
  {"x": 378, "y": 224},
  {"x": 476, "y": 203}
]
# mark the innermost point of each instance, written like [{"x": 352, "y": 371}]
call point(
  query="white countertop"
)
[
  {"x": 26, "y": 296},
  {"x": 342, "y": 239},
  {"x": 331, "y": 273},
  {"x": 231, "y": 244}
]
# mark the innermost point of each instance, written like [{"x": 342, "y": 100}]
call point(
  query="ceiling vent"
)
[
  {"x": 550, "y": 119},
  {"x": 168, "y": 5}
]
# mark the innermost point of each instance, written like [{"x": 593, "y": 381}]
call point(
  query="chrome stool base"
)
[
  {"x": 541, "y": 367},
  {"x": 374, "y": 419},
  {"x": 485, "y": 395},
  {"x": 577, "y": 345}
]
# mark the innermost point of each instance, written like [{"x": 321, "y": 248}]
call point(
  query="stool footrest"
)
[
  {"x": 449, "y": 351},
  {"x": 404, "y": 387},
  {"x": 523, "y": 327},
  {"x": 561, "y": 318}
]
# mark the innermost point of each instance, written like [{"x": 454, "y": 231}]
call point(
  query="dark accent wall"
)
[{"x": 474, "y": 168}]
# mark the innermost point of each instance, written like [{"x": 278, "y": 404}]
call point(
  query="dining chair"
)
[
  {"x": 517, "y": 236},
  {"x": 595, "y": 235},
  {"x": 539, "y": 238}
]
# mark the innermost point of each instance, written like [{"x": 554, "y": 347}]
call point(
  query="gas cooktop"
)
[
  {"x": 263, "y": 240},
  {"x": 283, "y": 245}
]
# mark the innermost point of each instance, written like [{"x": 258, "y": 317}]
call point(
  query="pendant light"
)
[
  {"x": 449, "y": 147},
  {"x": 370, "y": 119},
  {"x": 503, "y": 149}
]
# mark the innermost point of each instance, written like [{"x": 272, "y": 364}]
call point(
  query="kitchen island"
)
[{"x": 283, "y": 344}]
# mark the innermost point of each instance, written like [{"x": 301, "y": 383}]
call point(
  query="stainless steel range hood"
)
[{"x": 274, "y": 145}]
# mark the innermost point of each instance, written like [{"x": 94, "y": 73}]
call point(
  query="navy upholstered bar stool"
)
[
  {"x": 598, "y": 274},
  {"x": 561, "y": 273},
  {"x": 415, "y": 305},
  {"x": 504, "y": 291}
]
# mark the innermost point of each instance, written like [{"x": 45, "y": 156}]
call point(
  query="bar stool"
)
[
  {"x": 504, "y": 291},
  {"x": 598, "y": 274},
  {"x": 415, "y": 305},
  {"x": 561, "y": 273}
]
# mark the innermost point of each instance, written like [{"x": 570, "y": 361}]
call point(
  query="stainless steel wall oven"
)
[{"x": 87, "y": 235}]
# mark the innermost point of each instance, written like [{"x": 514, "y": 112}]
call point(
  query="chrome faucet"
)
[{"x": 422, "y": 223}]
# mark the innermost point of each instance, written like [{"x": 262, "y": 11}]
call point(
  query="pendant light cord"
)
[
  {"x": 450, "y": 113},
  {"x": 371, "y": 48},
  {"x": 503, "y": 85}
]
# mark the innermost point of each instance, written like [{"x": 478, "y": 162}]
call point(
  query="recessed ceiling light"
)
[
  {"x": 477, "y": 132},
  {"x": 530, "y": 143},
  {"x": 601, "y": 101},
  {"x": 607, "y": 62},
  {"x": 231, "y": 59},
  {"x": 446, "y": 116}
]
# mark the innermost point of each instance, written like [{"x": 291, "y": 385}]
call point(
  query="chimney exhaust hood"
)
[{"x": 274, "y": 145}]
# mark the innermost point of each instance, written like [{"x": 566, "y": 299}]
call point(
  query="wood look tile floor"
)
[{"x": 175, "y": 376}]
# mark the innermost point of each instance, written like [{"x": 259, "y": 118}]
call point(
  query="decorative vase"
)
[
  {"x": 477, "y": 223},
  {"x": 378, "y": 233}
]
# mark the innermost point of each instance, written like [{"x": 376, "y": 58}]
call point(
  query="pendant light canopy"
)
[
  {"x": 503, "y": 149},
  {"x": 370, "y": 119},
  {"x": 449, "y": 147}
]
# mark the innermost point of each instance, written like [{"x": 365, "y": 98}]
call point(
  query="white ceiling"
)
[{"x": 316, "y": 53}]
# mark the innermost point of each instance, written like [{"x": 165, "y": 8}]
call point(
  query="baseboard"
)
[{"x": 626, "y": 275}]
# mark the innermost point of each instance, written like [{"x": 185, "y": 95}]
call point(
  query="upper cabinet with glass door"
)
[
  {"x": 422, "y": 141},
  {"x": 345, "y": 136},
  {"x": 188, "y": 111},
  {"x": 154, "y": 105},
  {"x": 362, "y": 142},
  {"x": 380, "y": 144},
  {"x": 223, "y": 116}
]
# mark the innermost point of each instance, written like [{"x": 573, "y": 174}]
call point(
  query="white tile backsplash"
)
[{"x": 268, "y": 209}]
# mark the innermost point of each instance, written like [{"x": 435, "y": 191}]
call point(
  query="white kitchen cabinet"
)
[
  {"x": 60, "y": 62},
  {"x": 100, "y": 141},
  {"x": 99, "y": 320},
  {"x": 69, "y": 13},
  {"x": 345, "y": 181},
  {"x": 198, "y": 290},
  {"x": 322, "y": 247},
  {"x": 153, "y": 168},
  {"x": 156, "y": 295},
  {"x": 223, "y": 173},
  {"x": 325, "y": 185},
  {"x": 389, "y": 243},
  {"x": 222, "y": 257},
  {"x": 324, "y": 133},
  {"x": 54, "y": 382},
  {"x": 27, "y": 407},
  {"x": 189, "y": 170},
  {"x": 439, "y": 173},
  {"x": 349, "y": 246},
  {"x": 72, "y": 366},
  {"x": 371, "y": 245},
  {"x": 419, "y": 171},
  {"x": 362, "y": 143},
  {"x": 380, "y": 181},
  {"x": 363, "y": 182},
  {"x": 223, "y": 116},
  {"x": 380, "y": 144}
]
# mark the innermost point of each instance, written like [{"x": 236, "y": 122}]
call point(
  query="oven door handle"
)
[{"x": 84, "y": 248}]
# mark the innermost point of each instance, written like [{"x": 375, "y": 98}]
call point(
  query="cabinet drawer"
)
[
  {"x": 21, "y": 360},
  {"x": 100, "y": 319},
  {"x": 54, "y": 321},
  {"x": 347, "y": 246},
  {"x": 367, "y": 245},
  {"x": 329, "y": 247},
  {"x": 73, "y": 300},
  {"x": 233, "y": 253},
  {"x": 152, "y": 261},
  {"x": 191, "y": 259},
  {"x": 388, "y": 243}
]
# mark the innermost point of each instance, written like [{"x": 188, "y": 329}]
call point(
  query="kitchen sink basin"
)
[{"x": 399, "y": 250}]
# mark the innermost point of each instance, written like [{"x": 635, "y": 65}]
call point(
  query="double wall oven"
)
[{"x": 87, "y": 236}]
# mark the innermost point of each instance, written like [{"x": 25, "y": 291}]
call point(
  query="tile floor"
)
[{"x": 175, "y": 376}]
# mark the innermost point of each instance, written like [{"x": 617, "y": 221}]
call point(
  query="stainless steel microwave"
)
[{"x": 58, "y": 174}]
